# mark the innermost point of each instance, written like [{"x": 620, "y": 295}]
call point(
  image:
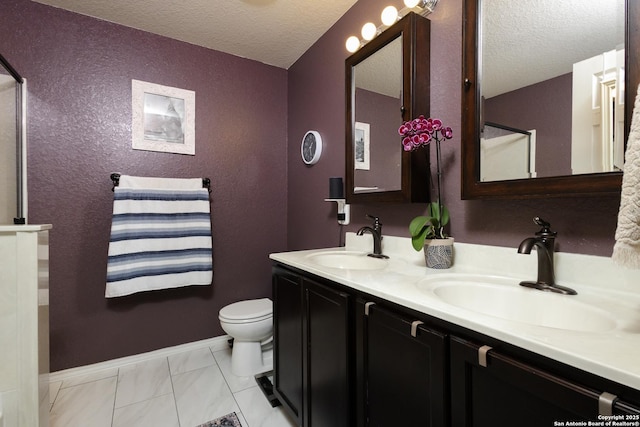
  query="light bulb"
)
[
  {"x": 389, "y": 15},
  {"x": 411, "y": 3},
  {"x": 353, "y": 43},
  {"x": 369, "y": 31}
]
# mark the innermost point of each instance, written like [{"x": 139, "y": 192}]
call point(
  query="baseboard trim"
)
[{"x": 215, "y": 343}]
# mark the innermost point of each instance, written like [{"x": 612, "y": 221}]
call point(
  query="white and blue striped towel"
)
[{"x": 160, "y": 238}]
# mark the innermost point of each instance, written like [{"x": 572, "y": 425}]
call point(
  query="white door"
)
[{"x": 597, "y": 124}]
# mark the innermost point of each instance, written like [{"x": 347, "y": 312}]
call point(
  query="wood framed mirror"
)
[
  {"x": 477, "y": 116},
  {"x": 387, "y": 83}
]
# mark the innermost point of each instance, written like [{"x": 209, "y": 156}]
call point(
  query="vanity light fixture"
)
[
  {"x": 369, "y": 31},
  {"x": 390, "y": 16},
  {"x": 353, "y": 44},
  {"x": 427, "y": 5}
]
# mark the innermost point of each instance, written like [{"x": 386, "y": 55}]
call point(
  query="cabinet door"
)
[
  {"x": 287, "y": 330},
  {"x": 328, "y": 379},
  {"x": 507, "y": 392},
  {"x": 400, "y": 377}
]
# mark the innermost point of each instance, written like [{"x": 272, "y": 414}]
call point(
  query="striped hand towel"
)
[{"x": 160, "y": 238}]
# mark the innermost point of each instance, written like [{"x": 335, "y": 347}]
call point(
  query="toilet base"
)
[{"x": 249, "y": 359}]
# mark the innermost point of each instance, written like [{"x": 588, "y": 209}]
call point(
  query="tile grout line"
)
[
  {"x": 173, "y": 391},
  {"x": 54, "y": 397},
  {"x": 233, "y": 394},
  {"x": 226, "y": 381},
  {"x": 113, "y": 409}
]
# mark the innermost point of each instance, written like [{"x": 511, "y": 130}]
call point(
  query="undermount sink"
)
[
  {"x": 504, "y": 298},
  {"x": 348, "y": 260}
]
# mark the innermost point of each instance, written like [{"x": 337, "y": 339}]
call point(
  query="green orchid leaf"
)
[
  {"x": 445, "y": 216},
  {"x": 430, "y": 226},
  {"x": 421, "y": 228},
  {"x": 417, "y": 225},
  {"x": 417, "y": 241},
  {"x": 434, "y": 210}
]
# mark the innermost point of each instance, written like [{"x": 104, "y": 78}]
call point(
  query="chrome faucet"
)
[
  {"x": 376, "y": 232},
  {"x": 544, "y": 243}
]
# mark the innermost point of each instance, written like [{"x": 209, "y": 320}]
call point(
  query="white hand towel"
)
[
  {"x": 626, "y": 250},
  {"x": 160, "y": 236},
  {"x": 128, "y": 181}
]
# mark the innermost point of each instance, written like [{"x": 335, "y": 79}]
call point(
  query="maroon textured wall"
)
[
  {"x": 382, "y": 113},
  {"x": 79, "y": 73},
  {"x": 545, "y": 107},
  {"x": 316, "y": 100}
]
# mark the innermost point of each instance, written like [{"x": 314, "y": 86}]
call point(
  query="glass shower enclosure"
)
[{"x": 13, "y": 204}]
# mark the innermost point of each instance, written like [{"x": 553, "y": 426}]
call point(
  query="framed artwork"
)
[
  {"x": 361, "y": 149},
  {"x": 163, "y": 118}
]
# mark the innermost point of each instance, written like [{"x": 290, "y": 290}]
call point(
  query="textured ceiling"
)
[
  {"x": 275, "y": 32},
  {"x": 529, "y": 41},
  {"x": 382, "y": 72},
  {"x": 543, "y": 37}
]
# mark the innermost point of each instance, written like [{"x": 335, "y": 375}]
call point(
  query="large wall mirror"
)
[
  {"x": 387, "y": 82},
  {"x": 548, "y": 93}
]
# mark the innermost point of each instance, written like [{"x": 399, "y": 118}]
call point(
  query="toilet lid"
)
[{"x": 249, "y": 309}]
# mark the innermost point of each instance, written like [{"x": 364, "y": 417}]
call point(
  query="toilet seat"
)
[{"x": 248, "y": 311}]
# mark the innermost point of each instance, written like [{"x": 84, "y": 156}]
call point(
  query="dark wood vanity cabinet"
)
[
  {"x": 489, "y": 389},
  {"x": 401, "y": 369},
  {"x": 287, "y": 333},
  {"x": 312, "y": 375},
  {"x": 343, "y": 358}
]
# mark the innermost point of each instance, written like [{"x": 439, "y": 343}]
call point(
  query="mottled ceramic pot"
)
[{"x": 438, "y": 253}]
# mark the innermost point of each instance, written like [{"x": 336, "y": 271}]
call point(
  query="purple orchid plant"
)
[{"x": 417, "y": 133}]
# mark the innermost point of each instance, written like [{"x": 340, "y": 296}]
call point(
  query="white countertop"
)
[
  {"x": 24, "y": 228},
  {"x": 613, "y": 353}
]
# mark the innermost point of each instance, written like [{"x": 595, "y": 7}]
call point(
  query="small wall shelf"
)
[{"x": 344, "y": 211}]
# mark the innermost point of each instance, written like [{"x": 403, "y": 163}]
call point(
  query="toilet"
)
[{"x": 250, "y": 324}]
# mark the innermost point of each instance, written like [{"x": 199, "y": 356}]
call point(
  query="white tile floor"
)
[{"x": 181, "y": 390}]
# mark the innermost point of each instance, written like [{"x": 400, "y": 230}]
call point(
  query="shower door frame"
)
[{"x": 21, "y": 146}]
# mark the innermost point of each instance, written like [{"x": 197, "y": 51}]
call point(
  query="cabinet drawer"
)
[{"x": 491, "y": 389}]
